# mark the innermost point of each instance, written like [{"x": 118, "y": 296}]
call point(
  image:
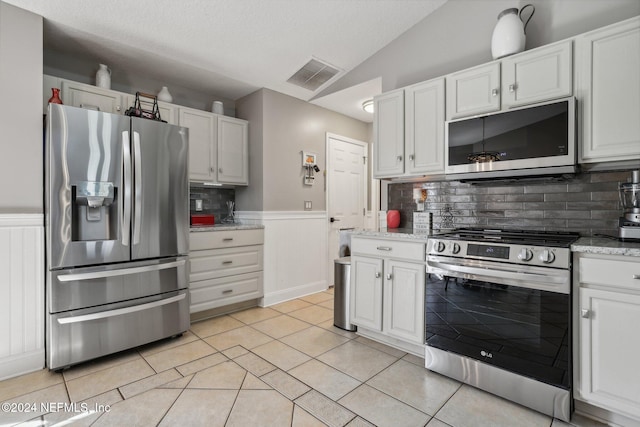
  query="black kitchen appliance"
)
[
  {"x": 498, "y": 314},
  {"x": 629, "y": 223}
]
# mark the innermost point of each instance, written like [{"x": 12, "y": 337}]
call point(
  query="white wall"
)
[
  {"x": 458, "y": 35},
  {"x": 290, "y": 126},
  {"x": 21, "y": 123}
]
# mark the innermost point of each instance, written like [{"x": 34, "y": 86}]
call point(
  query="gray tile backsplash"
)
[
  {"x": 587, "y": 203},
  {"x": 214, "y": 201}
]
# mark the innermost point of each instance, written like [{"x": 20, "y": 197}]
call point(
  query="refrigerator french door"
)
[{"x": 116, "y": 206}]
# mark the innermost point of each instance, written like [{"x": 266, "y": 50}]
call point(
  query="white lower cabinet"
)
[
  {"x": 226, "y": 268},
  {"x": 607, "y": 344},
  {"x": 387, "y": 291}
]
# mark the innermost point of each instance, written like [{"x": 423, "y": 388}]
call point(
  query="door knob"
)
[{"x": 377, "y": 274}]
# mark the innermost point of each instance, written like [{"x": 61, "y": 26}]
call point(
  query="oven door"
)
[{"x": 510, "y": 316}]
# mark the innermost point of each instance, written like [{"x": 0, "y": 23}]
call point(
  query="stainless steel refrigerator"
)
[{"x": 117, "y": 224}]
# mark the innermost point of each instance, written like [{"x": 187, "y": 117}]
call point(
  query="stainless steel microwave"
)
[{"x": 528, "y": 141}]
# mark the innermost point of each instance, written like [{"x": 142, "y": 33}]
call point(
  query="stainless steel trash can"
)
[{"x": 341, "y": 293}]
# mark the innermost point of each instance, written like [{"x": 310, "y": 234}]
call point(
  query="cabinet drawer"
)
[
  {"x": 225, "y": 262},
  {"x": 388, "y": 248},
  {"x": 611, "y": 271},
  {"x": 208, "y": 294},
  {"x": 225, "y": 239}
]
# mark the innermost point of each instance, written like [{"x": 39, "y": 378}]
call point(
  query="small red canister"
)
[{"x": 393, "y": 219}]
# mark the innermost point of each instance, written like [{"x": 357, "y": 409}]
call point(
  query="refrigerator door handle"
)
[
  {"x": 121, "y": 311},
  {"x": 125, "y": 219},
  {"x": 137, "y": 170},
  {"x": 120, "y": 272}
]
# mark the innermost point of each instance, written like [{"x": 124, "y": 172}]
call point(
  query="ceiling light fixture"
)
[{"x": 368, "y": 106}]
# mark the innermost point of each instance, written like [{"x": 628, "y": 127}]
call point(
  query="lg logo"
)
[{"x": 485, "y": 354}]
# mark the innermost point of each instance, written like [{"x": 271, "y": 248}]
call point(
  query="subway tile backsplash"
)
[
  {"x": 587, "y": 203},
  {"x": 214, "y": 201}
]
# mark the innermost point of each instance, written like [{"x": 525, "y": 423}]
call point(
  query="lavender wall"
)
[{"x": 587, "y": 203}]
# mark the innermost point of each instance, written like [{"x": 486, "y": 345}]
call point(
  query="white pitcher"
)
[
  {"x": 103, "y": 77},
  {"x": 509, "y": 34}
]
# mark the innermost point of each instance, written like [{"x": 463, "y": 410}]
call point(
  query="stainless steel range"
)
[{"x": 498, "y": 314}]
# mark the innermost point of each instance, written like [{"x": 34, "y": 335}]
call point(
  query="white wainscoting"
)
[
  {"x": 295, "y": 252},
  {"x": 21, "y": 294}
]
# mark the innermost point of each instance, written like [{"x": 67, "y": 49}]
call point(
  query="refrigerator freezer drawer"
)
[
  {"x": 76, "y": 336},
  {"x": 74, "y": 289}
]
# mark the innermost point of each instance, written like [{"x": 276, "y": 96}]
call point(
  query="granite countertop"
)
[
  {"x": 225, "y": 227},
  {"x": 606, "y": 246},
  {"x": 393, "y": 234}
]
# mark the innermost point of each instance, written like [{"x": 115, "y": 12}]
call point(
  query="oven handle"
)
[
  {"x": 121, "y": 311},
  {"x": 537, "y": 280}
]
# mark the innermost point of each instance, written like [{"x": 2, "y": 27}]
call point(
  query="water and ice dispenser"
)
[{"x": 94, "y": 211}]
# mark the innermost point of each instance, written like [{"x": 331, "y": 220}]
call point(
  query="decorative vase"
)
[
  {"x": 509, "y": 33},
  {"x": 393, "y": 219},
  {"x": 217, "y": 107},
  {"x": 164, "y": 95},
  {"x": 55, "y": 96},
  {"x": 103, "y": 77}
]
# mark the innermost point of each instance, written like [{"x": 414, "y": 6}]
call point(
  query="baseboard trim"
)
[
  {"x": 293, "y": 293},
  {"x": 23, "y": 363}
]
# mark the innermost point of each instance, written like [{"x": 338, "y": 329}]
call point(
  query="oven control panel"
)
[{"x": 514, "y": 254}]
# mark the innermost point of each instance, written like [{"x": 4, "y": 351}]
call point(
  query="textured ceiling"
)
[{"x": 226, "y": 47}]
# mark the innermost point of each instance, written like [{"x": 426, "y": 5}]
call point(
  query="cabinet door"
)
[
  {"x": 608, "y": 86},
  {"x": 403, "y": 311},
  {"x": 424, "y": 127},
  {"x": 388, "y": 134},
  {"x": 202, "y": 149},
  {"x": 609, "y": 348},
  {"x": 168, "y": 112},
  {"x": 366, "y": 292},
  {"x": 92, "y": 97},
  {"x": 233, "y": 147},
  {"x": 474, "y": 91},
  {"x": 540, "y": 75}
]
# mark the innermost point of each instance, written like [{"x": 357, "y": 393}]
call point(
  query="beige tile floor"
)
[{"x": 286, "y": 365}]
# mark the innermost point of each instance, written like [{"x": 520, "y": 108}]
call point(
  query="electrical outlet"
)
[
  {"x": 307, "y": 205},
  {"x": 198, "y": 205}
]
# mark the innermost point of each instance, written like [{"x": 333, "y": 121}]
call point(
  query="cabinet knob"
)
[
  {"x": 377, "y": 274},
  {"x": 212, "y": 169},
  {"x": 512, "y": 88},
  {"x": 585, "y": 313},
  {"x": 399, "y": 158},
  {"x": 220, "y": 170},
  {"x": 118, "y": 108},
  {"x": 389, "y": 276},
  {"x": 411, "y": 157},
  {"x": 636, "y": 276},
  {"x": 494, "y": 92}
]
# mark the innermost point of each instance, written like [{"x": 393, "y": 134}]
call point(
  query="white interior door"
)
[{"x": 346, "y": 190}]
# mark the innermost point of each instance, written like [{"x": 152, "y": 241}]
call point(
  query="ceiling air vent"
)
[{"x": 313, "y": 74}]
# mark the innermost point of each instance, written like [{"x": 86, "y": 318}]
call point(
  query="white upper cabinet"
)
[
  {"x": 203, "y": 128},
  {"x": 388, "y": 134},
  {"x": 218, "y": 147},
  {"x": 233, "y": 151},
  {"x": 539, "y": 75},
  {"x": 92, "y": 97},
  {"x": 473, "y": 91},
  {"x": 608, "y": 88},
  {"x": 424, "y": 128}
]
